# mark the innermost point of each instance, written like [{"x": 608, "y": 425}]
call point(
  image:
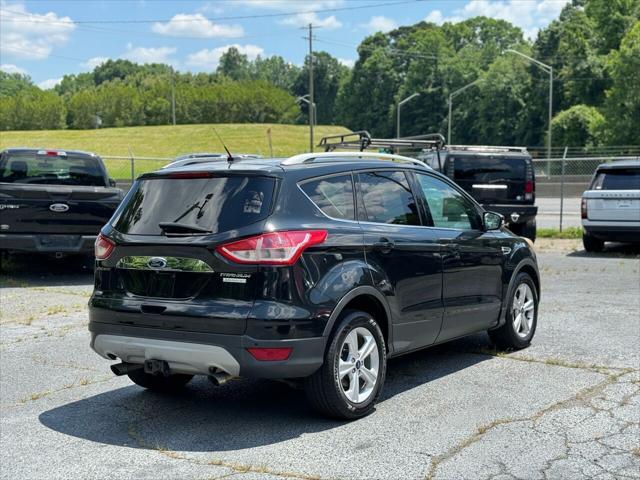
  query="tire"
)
[
  {"x": 515, "y": 334},
  {"x": 158, "y": 383},
  {"x": 529, "y": 230},
  {"x": 591, "y": 243},
  {"x": 334, "y": 395}
]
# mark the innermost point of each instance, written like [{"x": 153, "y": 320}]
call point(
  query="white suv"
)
[{"x": 610, "y": 209}]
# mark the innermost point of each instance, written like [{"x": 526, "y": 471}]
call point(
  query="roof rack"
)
[
  {"x": 487, "y": 148},
  {"x": 361, "y": 140},
  {"x": 349, "y": 156}
]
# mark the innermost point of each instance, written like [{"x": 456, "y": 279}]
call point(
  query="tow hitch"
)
[{"x": 157, "y": 367}]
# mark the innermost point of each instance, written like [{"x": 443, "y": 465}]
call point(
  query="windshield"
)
[
  {"x": 618, "y": 179},
  {"x": 484, "y": 169},
  {"x": 195, "y": 205},
  {"x": 33, "y": 168}
]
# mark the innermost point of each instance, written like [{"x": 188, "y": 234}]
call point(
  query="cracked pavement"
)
[{"x": 568, "y": 407}]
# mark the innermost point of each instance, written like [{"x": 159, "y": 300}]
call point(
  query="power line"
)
[{"x": 212, "y": 19}]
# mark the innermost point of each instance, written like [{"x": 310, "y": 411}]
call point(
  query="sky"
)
[{"x": 48, "y": 39}]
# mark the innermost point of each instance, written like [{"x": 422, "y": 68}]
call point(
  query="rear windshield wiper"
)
[{"x": 172, "y": 227}]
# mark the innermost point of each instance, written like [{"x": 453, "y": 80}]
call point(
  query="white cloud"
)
[
  {"x": 347, "y": 62},
  {"x": 209, "y": 59},
  {"x": 31, "y": 36},
  {"x": 196, "y": 25},
  {"x": 292, "y": 5},
  {"x": 11, "y": 68},
  {"x": 380, "y": 23},
  {"x": 93, "y": 62},
  {"x": 530, "y": 16},
  {"x": 305, "y": 18},
  {"x": 50, "y": 83},
  {"x": 149, "y": 54}
]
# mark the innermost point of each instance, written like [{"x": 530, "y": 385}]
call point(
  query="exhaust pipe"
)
[
  {"x": 220, "y": 378},
  {"x": 124, "y": 368}
]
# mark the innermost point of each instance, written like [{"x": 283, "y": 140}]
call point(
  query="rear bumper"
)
[
  {"x": 611, "y": 231},
  {"x": 47, "y": 243},
  {"x": 514, "y": 214},
  {"x": 195, "y": 353}
]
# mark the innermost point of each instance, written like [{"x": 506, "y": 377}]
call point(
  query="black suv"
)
[
  {"x": 501, "y": 179},
  {"x": 316, "y": 268}
]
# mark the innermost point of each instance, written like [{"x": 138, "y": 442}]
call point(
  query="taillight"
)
[
  {"x": 267, "y": 354},
  {"x": 103, "y": 247},
  {"x": 277, "y": 248},
  {"x": 583, "y": 208},
  {"x": 528, "y": 187},
  {"x": 190, "y": 175}
]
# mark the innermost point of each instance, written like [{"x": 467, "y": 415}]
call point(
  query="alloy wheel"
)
[
  {"x": 358, "y": 365},
  {"x": 523, "y": 310}
]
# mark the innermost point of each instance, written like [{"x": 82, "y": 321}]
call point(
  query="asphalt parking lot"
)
[{"x": 567, "y": 407}]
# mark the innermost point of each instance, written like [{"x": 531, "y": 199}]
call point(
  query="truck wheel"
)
[
  {"x": 158, "y": 383},
  {"x": 351, "y": 377},
  {"x": 521, "y": 316},
  {"x": 529, "y": 230},
  {"x": 591, "y": 243}
]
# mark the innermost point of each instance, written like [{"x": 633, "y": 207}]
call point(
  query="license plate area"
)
[
  {"x": 59, "y": 241},
  {"x": 624, "y": 204}
]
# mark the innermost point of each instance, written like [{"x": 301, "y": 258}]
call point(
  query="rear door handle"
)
[{"x": 384, "y": 245}]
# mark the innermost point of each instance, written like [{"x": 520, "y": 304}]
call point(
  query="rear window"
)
[
  {"x": 619, "y": 179},
  {"x": 34, "y": 168},
  {"x": 483, "y": 169},
  {"x": 214, "y": 204},
  {"x": 332, "y": 195}
]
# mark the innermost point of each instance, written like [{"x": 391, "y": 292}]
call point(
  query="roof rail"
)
[
  {"x": 349, "y": 156},
  {"x": 488, "y": 148},
  {"x": 361, "y": 140}
]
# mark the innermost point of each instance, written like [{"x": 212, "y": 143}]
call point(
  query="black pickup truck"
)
[
  {"x": 53, "y": 201},
  {"x": 501, "y": 179}
]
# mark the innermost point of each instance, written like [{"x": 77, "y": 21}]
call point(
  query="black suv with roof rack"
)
[
  {"x": 315, "y": 269},
  {"x": 501, "y": 179}
]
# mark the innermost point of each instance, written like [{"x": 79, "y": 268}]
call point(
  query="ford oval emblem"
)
[
  {"x": 157, "y": 263},
  {"x": 59, "y": 207}
]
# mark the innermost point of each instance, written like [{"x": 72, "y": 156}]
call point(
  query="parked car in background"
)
[
  {"x": 610, "y": 208},
  {"x": 316, "y": 268},
  {"x": 501, "y": 179},
  {"x": 195, "y": 158},
  {"x": 53, "y": 201}
]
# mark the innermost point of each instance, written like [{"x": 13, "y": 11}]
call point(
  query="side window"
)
[
  {"x": 332, "y": 195},
  {"x": 448, "y": 207},
  {"x": 387, "y": 198}
]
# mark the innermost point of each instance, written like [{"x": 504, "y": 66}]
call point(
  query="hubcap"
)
[
  {"x": 523, "y": 310},
  {"x": 358, "y": 365}
]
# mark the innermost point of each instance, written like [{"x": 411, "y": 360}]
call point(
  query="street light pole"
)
[
  {"x": 452, "y": 95},
  {"x": 400, "y": 103},
  {"x": 549, "y": 70},
  {"x": 312, "y": 108}
]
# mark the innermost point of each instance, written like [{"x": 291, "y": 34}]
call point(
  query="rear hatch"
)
[
  {"x": 493, "y": 179},
  {"x": 164, "y": 264},
  {"x": 614, "y": 195},
  {"x": 50, "y": 192}
]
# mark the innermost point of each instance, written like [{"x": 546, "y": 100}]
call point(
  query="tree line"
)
[{"x": 593, "y": 47}]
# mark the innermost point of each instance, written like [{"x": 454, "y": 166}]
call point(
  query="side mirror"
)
[
  {"x": 492, "y": 221},
  {"x": 112, "y": 182}
]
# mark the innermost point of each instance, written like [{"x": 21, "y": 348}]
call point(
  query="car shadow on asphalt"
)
[
  {"x": 240, "y": 414},
  {"x": 35, "y": 270},
  {"x": 611, "y": 250}
]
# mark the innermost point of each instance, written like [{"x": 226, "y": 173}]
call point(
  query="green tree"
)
[
  {"x": 234, "y": 65},
  {"x": 612, "y": 18},
  {"x": 328, "y": 73},
  {"x": 577, "y": 126},
  {"x": 622, "y": 105},
  {"x": 12, "y": 83}
]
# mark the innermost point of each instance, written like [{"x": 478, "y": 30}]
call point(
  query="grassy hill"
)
[{"x": 168, "y": 141}]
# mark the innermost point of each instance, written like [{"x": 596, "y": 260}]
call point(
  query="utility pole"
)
[{"x": 311, "y": 100}]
